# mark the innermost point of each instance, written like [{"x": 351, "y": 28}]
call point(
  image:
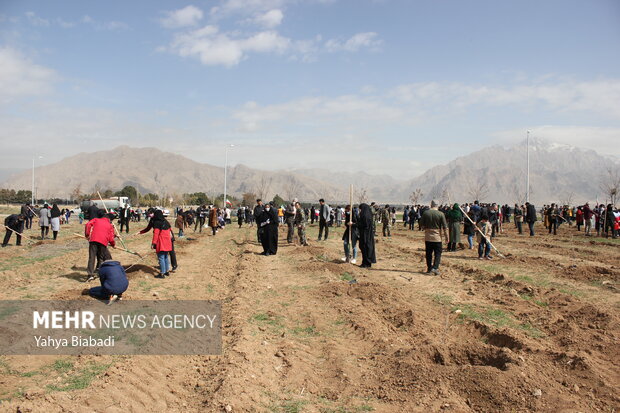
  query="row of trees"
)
[
  {"x": 11, "y": 196},
  {"x": 16, "y": 197}
]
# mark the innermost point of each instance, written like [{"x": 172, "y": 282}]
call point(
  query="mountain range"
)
[{"x": 558, "y": 173}]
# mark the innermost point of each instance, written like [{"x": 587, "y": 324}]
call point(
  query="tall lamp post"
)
[
  {"x": 225, "y": 171},
  {"x": 527, "y": 188},
  {"x": 32, "y": 194}
]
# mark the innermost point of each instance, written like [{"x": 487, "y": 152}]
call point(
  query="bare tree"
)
[
  {"x": 263, "y": 186},
  {"x": 291, "y": 187},
  {"x": 249, "y": 198},
  {"x": 477, "y": 190},
  {"x": 610, "y": 184},
  {"x": 568, "y": 198},
  {"x": 76, "y": 194},
  {"x": 519, "y": 195},
  {"x": 361, "y": 195},
  {"x": 416, "y": 196}
]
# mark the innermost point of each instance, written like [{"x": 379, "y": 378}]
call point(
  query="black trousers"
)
[
  {"x": 323, "y": 226},
  {"x": 98, "y": 252},
  {"x": 553, "y": 226},
  {"x": 200, "y": 221},
  {"x": 609, "y": 227},
  {"x": 126, "y": 224},
  {"x": 520, "y": 227},
  {"x": 433, "y": 255},
  {"x": 291, "y": 231},
  {"x": 7, "y": 237},
  {"x": 531, "y": 225},
  {"x": 173, "y": 257}
]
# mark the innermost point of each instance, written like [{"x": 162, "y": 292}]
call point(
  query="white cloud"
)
[
  {"x": 595, "y": 96},
  {"x": 36, "y": 20},
  {"x": 320, "y": 111},
  {"x": 270, "y": 19},
  {"x": 355, "y": 43},
  {"x": 215, "y": 48},
  {"x": 187, "y": 16},
  {"x": 20, "y": 77},
  {"x": 65, "y": 24},
  {"x": 111, "y": 25},
  {"x": 246, "y": 6},
  {"x": 115, "y": 25}
]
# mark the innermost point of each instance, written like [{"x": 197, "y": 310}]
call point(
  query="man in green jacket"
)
[{"x": 435, "y": 226}]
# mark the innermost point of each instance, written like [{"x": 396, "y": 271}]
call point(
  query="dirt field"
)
[{"x": 537, "y": 331}]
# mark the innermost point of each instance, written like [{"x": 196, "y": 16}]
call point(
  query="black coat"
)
[
  {"x": 268, "y": 222},
  {"x": 13, "y": 222},
  {"x": 91, "y": 212},
  {"x": 468, "y": 228},
  {"x": 530, "y": 212},
  {"x": 355, "y": 234},
  {"x": 367, "y": 236}
]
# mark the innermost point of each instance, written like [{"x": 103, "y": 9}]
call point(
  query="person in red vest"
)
[
  {"x": 99, "y": 233},
  {"x": 162, "y": 243}
]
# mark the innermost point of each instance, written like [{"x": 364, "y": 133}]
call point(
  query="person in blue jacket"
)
[{"x": 114, "y": 282}]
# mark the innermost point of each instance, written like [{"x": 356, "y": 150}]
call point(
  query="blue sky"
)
[{"x": 384, "y": 86}]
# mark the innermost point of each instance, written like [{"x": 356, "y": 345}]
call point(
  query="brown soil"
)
[{"x": 534, "y": 332}]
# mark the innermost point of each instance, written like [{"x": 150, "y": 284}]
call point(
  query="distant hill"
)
[
  {"x": 5, "y": 173},
  {"x": 557, "y": 173},
  {"x": 152, "y": 170}
]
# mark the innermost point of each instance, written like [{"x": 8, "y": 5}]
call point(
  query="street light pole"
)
[
  {"x": 225, "y": 171},
  {"x": 527, "y": 189},
  {"x": 32, "y": 194}
]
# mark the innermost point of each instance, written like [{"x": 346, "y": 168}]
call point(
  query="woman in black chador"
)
[
  {"x": 366, "y": 236},
  {"x": 268, "y": 221}
]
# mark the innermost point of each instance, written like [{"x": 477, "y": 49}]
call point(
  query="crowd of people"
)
[{"x": 479, "y": 223}]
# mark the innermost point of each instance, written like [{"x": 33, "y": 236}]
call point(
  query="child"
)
[
  {"x": 483, "y": 245},
  {"x": 162, "y": 244}
]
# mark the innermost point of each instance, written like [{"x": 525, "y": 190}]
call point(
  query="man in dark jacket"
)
[
  {"x": 27, "y": 213},
  {"x": 289, "y": 218},
  {"x": 124, "y": 215},
  {"x": 114, "y": 282},
  {"x": 13, "y": 223},
  {"x": 552, "y": 217},
  {"x": 530, "y": 217},
  {"x": 258, "y": 211},
  {"x": 323, "y": 218}
]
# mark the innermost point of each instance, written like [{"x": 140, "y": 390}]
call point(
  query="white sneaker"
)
[
  {"x": 344, "y": 259},
  {"x": 113, "y": 298},
  {"x": 353, "y": 261}
]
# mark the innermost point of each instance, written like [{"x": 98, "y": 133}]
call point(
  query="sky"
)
[{"x": 382, "y": 86}]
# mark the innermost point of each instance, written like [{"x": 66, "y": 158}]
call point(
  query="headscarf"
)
[
  {"x": 454, "y": 214},
  {"x": 365, "y": 216},
  {"x": 159, "y": 221},
  {"x": 55, "y": 212}
]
